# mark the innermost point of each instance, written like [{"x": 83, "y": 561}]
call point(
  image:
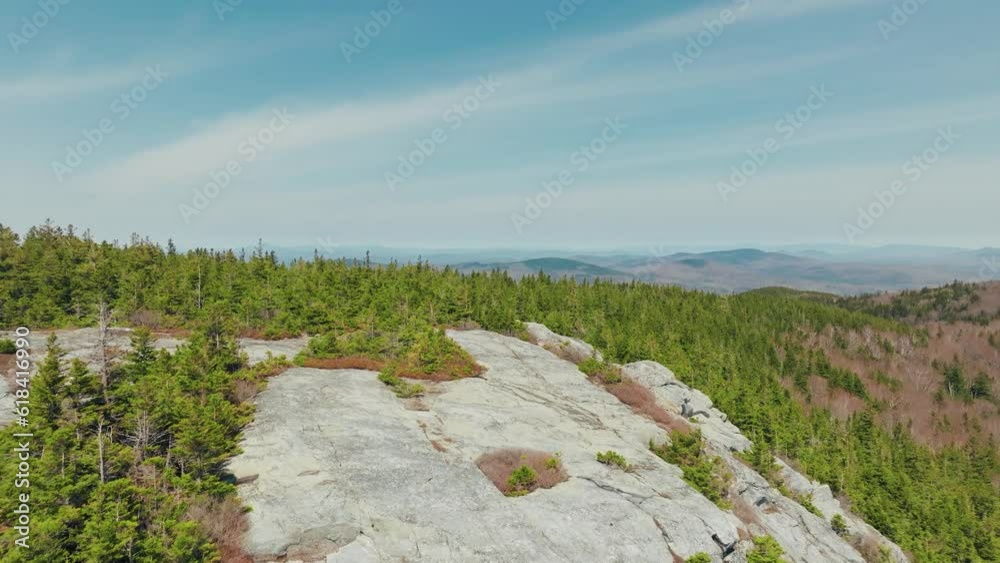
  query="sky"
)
[{"x": 517, "y": 124}]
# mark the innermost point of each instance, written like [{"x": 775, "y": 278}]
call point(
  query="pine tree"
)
[{"x": 48, "y": 386}]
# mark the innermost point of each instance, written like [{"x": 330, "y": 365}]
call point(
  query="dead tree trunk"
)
[
  {"x": 103, "y": 353},
  {"x": 100, "y": 447}
]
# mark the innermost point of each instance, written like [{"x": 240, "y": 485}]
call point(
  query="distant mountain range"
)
[
  {"x": 741, "y": 270},
  {"x": 843, "y": 270}
]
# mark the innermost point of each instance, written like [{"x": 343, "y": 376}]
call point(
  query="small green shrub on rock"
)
[
  {"x": 7, "y": 346},
  {"x": 766, "y": 550},
  {"x": 553, "y": 463},
  {"x": 590, "y": 366},
  {"x": 522, "y": 480},
  {"x": 607, "y": 373},
  {"x": 699, "y": 558},
  {"x": 403, "y": 389},
  {"x": 516, "y": 472},
  {"x": 705, "y": 473},
  {"x": 807, "y": 502},
  {"x": 839, "y": 525},
  {"x": 614, "y": 458}
]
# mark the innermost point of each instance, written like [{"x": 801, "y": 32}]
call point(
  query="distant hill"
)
[
  {"x": 555, "y": 267},
  {"x": 840, "y": 270}
]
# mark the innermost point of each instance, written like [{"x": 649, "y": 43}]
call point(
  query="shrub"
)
[
  {"x": 522, "y": 480},
  {"x": 839, "y": 525},
  {"x": 613, "y": 458},
  {"x": 436, "y": 357},
  {"x": 706, "y": 474},
  {"x": 270, "y": 366},
  {"x": 360, "y": 346},
  {"x": 402, "y": 389},
  {"x": 554, "y": 462},
  {"x": 766, "y": 550},
  {"x": 590, "y": 366},
  {"x": 505, "y": 468},
  {"x": 606, "y": 373},
  {"x": 225, "y": 522},
  {"x": 807, "y": 502},
  {"x": 699, "y": 558},
  {"x": 7, "y": 346}
]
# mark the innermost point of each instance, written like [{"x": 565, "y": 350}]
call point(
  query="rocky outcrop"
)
[
  {"x": 348, "y": 472},
  {"x": 823, "y": 499},
  {"x": 672, "y": 395},
  {"x": 338, "y": 469},
  {"x": 563, "y": 346},
  {"x": 805, "y": 536}
]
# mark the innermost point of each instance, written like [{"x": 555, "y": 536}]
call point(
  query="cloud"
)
[
  {"x": 45, "y": 86},
  {"x": 189, "y": 160},
  {"x": 685, "y": 23}
]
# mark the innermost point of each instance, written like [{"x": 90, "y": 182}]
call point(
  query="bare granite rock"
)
[
  {"x": 349, "y": 472},
  {"x": 671, "y": 394},
  {"x": 564, "y": 345},
  {"x": 823, "y": 499},
  {"x": 805, "y": 536},
  {"x": 258, "y": 350}
]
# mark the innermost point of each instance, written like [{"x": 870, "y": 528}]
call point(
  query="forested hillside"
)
[
  {"x": 941, "y": 505},
  {"x": 943, "y": 379}
]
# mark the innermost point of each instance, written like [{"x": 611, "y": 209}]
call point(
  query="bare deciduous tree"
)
[{"x": 143, "y": 434}]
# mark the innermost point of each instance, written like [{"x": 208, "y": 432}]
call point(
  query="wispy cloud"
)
[
  {"x": 46, "y": 86},
  {"x": 190, "y": 159},
  {"x": 682, "y": 24}
]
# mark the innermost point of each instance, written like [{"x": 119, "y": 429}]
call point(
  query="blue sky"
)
[{"x": 212, "y": 81}]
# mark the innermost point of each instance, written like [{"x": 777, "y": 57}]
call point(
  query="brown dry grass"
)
[
  {"x": 7, "y": 369},
  {"x": 346, "y": 362},
  {"x": 146, "y": 318},
  {"x": 171, "y": 333},
  {"x": 226, "y": 523},
  {"x": 868, "y": 547},
  {"x": 498, "y": 465},
  {"x": 745, "y": 512},
  {"x": 244, "y": 390},
  {"x": 274, "y": 371},
  {"x": 259, "y": 334},
  {"x": 643, "y": 401},
  {"x": 466, "y": 325},
  {"x": 568, "y": 353},
  {"x": 457, "y": 368}
]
